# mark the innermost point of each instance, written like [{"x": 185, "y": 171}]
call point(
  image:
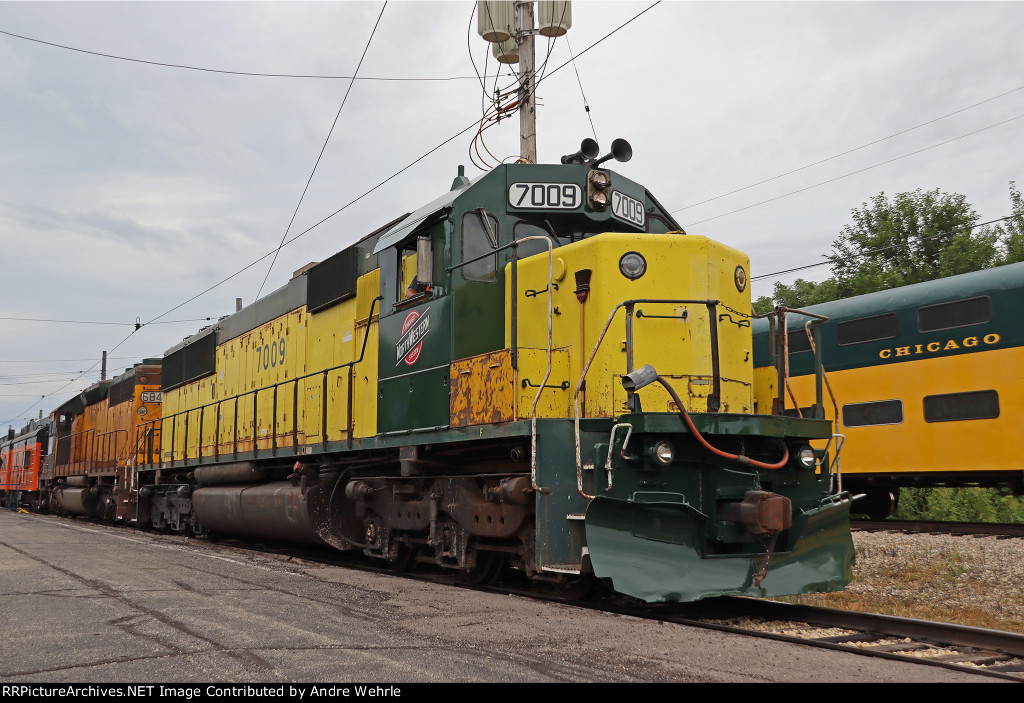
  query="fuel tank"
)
[
  {"x": 275, "y": 511},
  {"x": 77, "y": 501}
]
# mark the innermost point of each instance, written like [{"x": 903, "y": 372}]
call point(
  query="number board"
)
[
  {"x": 628, "y": 209},
  {"x": 152, "y": 397},
  {"x": 545, "y": 196}
]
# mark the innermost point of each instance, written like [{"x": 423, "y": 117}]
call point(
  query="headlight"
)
[
  {"x": 632, "y": 265},
  {"x": 805, "y": 457},
  {"x": 663, "y": 453}
]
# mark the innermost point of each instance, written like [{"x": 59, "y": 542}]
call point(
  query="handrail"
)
[
  {"x": 629, "y": 305},
  {"x": 90, "y": 451},
  {"x": 514, "y": 332},
  {"x": 812, "y": 328},
  {"x": 151, "y": 424}
]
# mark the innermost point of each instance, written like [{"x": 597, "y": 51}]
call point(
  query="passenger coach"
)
[{"x": 928, "y": 383}]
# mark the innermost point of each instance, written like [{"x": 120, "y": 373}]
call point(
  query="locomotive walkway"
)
[{"x": 92, "y": 603}]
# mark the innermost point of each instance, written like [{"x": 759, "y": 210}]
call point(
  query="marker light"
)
[{"x": 632, "y": 265}]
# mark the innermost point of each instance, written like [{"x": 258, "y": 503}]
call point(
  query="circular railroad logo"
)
[{"x": 410, "y": 344}]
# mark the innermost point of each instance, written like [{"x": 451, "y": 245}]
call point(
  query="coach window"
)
[
  {"x": 798, "y": 342},
  {"x": 479, "y": 236},
  {"x": 959, "y": 313},
  {"x": 949, "y": 407},
  {"x": 881, "y": 412},
  {"x": 868, "y": 329}
]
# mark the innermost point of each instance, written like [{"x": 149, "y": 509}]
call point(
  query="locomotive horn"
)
[
  {"x": 588, "y": 150},
  {"x": 621, "y": 151}
]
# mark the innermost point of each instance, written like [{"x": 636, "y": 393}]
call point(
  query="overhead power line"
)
[
  {"x": 98, "y": 322},
  {"x": 37, "y": 382},
  {"x": 853, "y": 173},
  {"x": 47, "y": 374},
  {"x": 850, "y": 151},
  {"x": 879, "y": 250},
  {"x": 309, "y": 229},
  {"x": 324, "y": 147},
  {"x": 396, "y": 174},
  {"x": 56, "y": 361},
  {"x": 74, "y": 380},
  {"x": 573, "y": 58},
  {"x": 233, "y": 73}
]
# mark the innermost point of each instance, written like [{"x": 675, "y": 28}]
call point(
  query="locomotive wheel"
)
[
  {"x": 575, "y": 589},
  {"x": 402, "y": 558},
  {"x": 529, "y": 560},
  {"x": 488, "y": 568}
]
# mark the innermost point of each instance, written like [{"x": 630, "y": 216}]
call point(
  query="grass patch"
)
[
  {"x": 931, "y": 584},
  {"x": 920, "y": 609}
]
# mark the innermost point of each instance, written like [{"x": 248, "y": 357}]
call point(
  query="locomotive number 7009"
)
[
  {"x": 628, "y": 209},
  {"x": 545, "y": 196},
  {"x": 270, "y": 355}
]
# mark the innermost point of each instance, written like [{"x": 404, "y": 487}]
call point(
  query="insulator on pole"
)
[
  {"x": 555, "y": 17},
  {"x": 495, "y": 20}
]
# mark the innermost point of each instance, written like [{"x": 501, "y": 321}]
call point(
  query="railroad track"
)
[
  {"x": 940, "y": 527},
  {"x": 990, "y": 653}
]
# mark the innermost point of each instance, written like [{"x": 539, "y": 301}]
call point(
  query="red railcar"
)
[{"x": 22, "y": 455}]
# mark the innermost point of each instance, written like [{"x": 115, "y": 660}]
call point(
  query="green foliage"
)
[
  {"x": 763, "y": 305},
  {"x": 960, "y": 505},
  {"x": 914, "y": 237},
  {"x": 1011, "y": 232},
  {"x": 909, "y": 241}
]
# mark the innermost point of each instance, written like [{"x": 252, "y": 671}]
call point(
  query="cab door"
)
[
  {"x": 415, "y": 353},
  {"x": 478, "y": 310}
]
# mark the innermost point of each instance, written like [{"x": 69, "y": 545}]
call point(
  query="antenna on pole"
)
[{"x": 513, "y": 20}]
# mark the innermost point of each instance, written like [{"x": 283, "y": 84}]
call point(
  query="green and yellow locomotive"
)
[{"x": 473, "y": 386}]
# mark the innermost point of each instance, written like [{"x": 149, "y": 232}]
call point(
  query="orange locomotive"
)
[{"x": 95, "y": 438}]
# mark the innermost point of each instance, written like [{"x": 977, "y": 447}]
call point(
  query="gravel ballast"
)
[{"x": 969, "y": 580}]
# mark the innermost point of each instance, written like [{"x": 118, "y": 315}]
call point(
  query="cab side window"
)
[
  {"x": 408, "y": 286},
  {"x": 479, "y": 236}
]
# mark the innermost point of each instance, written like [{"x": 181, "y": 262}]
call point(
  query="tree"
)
[
  {"x": 801, "y": 294},
  {"x": 1011, "y": 233},
  {"x": 919, "y": 236},
  {"x": 915, "y": 237}
]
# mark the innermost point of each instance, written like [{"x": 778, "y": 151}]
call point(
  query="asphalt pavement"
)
[{"x": 85, "y": 602}]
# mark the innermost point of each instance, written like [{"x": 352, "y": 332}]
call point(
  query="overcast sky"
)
[{"x": 127, "y": 188}]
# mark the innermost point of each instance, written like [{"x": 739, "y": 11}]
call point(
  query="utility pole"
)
[
  {"x": 510, "y": 28},
  {"x": 527, "y": 88}
]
